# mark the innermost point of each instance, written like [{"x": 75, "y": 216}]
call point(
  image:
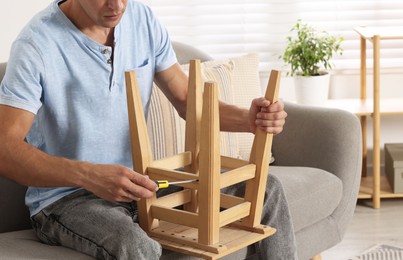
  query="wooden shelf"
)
[
  {"x": 375, "y": 187},
  {"x": 388, "y": 106},
  {"x": 366, "y": 189},
  {"x": 385, "y": 33}
]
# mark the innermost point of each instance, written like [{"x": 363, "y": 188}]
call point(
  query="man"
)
[{"x": 64, "y": 126}]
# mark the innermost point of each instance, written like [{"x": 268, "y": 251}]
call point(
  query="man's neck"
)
[{"x": 96, "y": 32}]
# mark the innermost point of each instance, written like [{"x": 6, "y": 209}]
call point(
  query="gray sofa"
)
[{"x": 318, "y": 160}]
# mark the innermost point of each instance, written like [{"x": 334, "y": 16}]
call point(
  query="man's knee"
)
[
  {"x": 131, "y": 242},
  {"x": 274, "y": 187}
]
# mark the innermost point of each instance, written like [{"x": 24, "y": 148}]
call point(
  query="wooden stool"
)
[{"x": 211, "y": 224}]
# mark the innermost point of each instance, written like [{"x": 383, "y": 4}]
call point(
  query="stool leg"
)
[
  {"x": 140, "y": 142},
  {"x": 260, "y": 156},
  {"x": 210, "y": 164},
  {"x": 193, "y": 124}
]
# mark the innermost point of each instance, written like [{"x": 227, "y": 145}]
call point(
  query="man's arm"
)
[
  {"x": 261, "y": 114},
  {"x": 27, "y": 165}
]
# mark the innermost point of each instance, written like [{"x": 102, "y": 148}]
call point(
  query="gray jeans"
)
[{"x": 110, "y": 230}]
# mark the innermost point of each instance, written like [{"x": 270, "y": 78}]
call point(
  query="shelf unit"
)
[
  {"x": 364, "y": 108},
  {"x": 376, "y": 186}
]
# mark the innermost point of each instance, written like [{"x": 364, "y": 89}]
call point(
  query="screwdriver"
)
[{"x": 165, "y": 184}]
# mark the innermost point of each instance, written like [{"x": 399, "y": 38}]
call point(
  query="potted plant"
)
[{"x": 309, "y": 53}]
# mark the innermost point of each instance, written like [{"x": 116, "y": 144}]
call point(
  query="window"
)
[{"x": 225, "y": 28}]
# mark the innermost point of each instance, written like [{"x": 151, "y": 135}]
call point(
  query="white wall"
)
[{"x": 14, "y": 15}]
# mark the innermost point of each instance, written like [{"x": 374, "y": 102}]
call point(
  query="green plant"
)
[{"x": 310, "y": 49}]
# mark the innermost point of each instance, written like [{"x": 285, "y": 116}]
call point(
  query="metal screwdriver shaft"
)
[{"x": 165, "y": 184}]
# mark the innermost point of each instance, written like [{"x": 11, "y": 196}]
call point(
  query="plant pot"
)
[{"x": 312, "y": 90}]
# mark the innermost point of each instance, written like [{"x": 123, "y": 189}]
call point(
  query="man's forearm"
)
[
  {"x": 29, "y": 166},
  {"x": 233, "y": 118},
  {"x": 25, "y": 164}
]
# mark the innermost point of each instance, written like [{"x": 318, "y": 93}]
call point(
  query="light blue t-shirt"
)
[{"x": 77, "y": 93}]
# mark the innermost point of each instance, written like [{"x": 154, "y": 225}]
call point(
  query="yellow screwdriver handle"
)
[{"x": 162, "y": 184}]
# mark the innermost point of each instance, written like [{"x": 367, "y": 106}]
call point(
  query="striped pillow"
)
[
  {"x": 167, "y": 129},
  {"x": 246, "y": 87}
]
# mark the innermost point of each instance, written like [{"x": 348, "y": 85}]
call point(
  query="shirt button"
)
[
  {"x": 109, "y": 61},
  {"x": 105, "y": 51}
]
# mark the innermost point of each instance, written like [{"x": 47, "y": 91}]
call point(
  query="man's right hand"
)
[{"x": 117, "y": 183}]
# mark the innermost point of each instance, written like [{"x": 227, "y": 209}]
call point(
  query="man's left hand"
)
[{"x": 266, "y": 116}]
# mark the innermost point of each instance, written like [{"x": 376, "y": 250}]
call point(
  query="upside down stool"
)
[{"x": 200, "y": 220}]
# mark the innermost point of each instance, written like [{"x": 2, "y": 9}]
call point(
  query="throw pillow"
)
[
  {"x": 246, "y": 87},
  {"x": 167, "y": 128}
]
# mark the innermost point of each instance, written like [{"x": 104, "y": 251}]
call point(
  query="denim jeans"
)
[
  {"x": 100, "y": 228},
  {"x": 281, "y": 245},
  {"x": 110, "y": 230}
]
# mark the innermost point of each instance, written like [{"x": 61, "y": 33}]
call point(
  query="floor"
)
[{"x": 369, "y": 227}]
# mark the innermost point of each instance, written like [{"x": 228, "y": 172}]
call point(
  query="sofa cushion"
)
[
  {"x": 167, "y": 129},
  {"x": 313, "y": 194},
  {"x": 24, "y": 245}
]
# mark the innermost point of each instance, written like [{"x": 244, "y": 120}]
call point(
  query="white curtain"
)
[{"x": 227, "y": 28}]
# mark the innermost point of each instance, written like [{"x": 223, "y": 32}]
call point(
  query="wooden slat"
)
[
  {"x": 173, "y": 175},
  {"x": 140, "y": 143},
  {"x": 173, "y": 200},
  {"x": 238, "y": 175},
  {"x": 185, "y": 218},
  {"x": 234, "y": 213},
  {"x": 232, "y": 163},
  {"x": 174, "y": 162},
  {"x": 228, "y": 201}
]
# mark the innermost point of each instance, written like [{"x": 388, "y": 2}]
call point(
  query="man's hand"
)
[
  {"x": 266, "y": 116},
  {"x": 118, "y": 183}
]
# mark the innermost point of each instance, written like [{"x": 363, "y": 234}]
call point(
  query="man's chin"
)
[{"x": 110, "y": 24}]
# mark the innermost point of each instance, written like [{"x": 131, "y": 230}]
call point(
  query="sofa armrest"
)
[
  {"x": 185, "y": 52},
  {"x": 329, "y": 139}
]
